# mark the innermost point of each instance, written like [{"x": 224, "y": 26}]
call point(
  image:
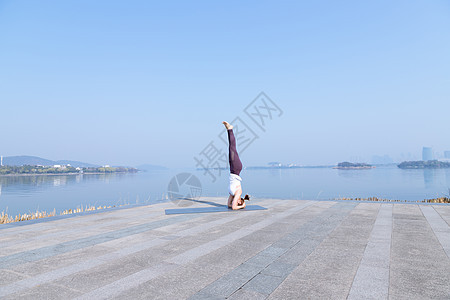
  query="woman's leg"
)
[
  {"x": 233, "y": 157},
  {"x": 235, "y": 201}
]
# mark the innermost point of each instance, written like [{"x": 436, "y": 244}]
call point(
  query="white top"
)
[{"x": 235, "y": 183}]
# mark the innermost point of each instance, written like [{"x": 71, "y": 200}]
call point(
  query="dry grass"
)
[
  {"x": 5, "y": 218},
  {"x": 376, "y": 199},
  {"x": 435, "y": 200},
  {"x": 438, "y": 200},
  {"x": 88, "y": 208}
]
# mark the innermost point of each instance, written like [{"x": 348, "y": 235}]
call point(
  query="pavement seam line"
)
[
  {"x": 448, "y": 222},
  {"x": 385, "y": 211},
  {"x": 353, "y": 280},
  {"x": 429, "y": 212},
  {"x": 390, "y": 249}
]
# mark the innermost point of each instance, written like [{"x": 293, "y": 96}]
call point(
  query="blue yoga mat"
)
[{"x": 198, "y": 210}]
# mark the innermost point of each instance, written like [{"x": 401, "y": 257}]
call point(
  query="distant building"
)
[
  {"x": 382, "y": 160},
  {"x": 1, "y": 161},
  {"x": 59, "y": 167},
  {"x": 427, "y": 153},
  {"x": 447, "y": 154}
]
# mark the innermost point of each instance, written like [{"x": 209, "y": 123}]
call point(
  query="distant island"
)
[
  {"x": 353, "y": 166},
  {"x": 429, "y": 164},
  {"x": 62, "y": 169}
]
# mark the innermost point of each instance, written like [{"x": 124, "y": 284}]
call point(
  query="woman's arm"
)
[
  {"x": 230, "y": 201},
  {"x": 237, "y": 197}
]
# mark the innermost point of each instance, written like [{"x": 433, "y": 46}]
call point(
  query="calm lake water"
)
[{"x": 20, "y": 194}]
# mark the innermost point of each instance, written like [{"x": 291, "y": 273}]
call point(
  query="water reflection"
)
[
  {"x": 429, "y": 177},
  {"x": 351, "y": 174},
  {"x": 447, "y": 182},
  {"x": 433, "y": 178},
  {"x": 48, "y": 192},
  {"x": 274, "y": 172},
  {"x": 30, "y": 183}
]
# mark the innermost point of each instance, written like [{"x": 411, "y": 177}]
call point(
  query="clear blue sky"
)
[{"x": 131, "y": 82}]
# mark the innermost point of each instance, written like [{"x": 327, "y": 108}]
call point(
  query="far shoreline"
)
[
  {"x": 354, "y": 168},
  {"x": 71, "y": 174}
]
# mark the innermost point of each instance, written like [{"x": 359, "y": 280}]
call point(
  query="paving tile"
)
[
  {"x": 279, "y": 269},
  {"x": 370, "y": 283},
  {"x": 372, "y": 278},
  {"x": 93, "y": 278},
  {"x": 419, "y": 265},
  {"x": 47, "y": 291},
  {"x": 35, "y": 268},
  {"x": 8, "y": 277},
  {"x": 260, "y": 260},
  {"x": 440, "y": 228},
  {"x": 263, "y": 284},
  {"x": 444, "y": 212},
  {"x": 243, "y": 294},
  {"x": 229, "y": 283},
  {"x": 131, "y": 286}
]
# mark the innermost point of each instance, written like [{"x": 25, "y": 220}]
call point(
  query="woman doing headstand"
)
[{"x": 235, "y": 189}]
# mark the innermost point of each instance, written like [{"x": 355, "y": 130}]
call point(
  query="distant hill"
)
[
  {"x": 147, "y": 167},
  {"x": 34, "y": 160}
]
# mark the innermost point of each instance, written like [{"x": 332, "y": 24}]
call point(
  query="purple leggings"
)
[{"x": 235, "y": 162}]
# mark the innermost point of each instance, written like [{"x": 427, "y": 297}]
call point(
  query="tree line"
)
[{"x": 28, "y": 169}]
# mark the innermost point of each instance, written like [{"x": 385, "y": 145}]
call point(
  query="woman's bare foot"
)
[{"x": 228, "y": 126}]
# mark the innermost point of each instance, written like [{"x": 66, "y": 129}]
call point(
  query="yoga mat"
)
[{"x": 198, "y": 210}]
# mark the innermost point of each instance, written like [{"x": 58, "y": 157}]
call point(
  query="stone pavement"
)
[{"x": 296, "y": 249}]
